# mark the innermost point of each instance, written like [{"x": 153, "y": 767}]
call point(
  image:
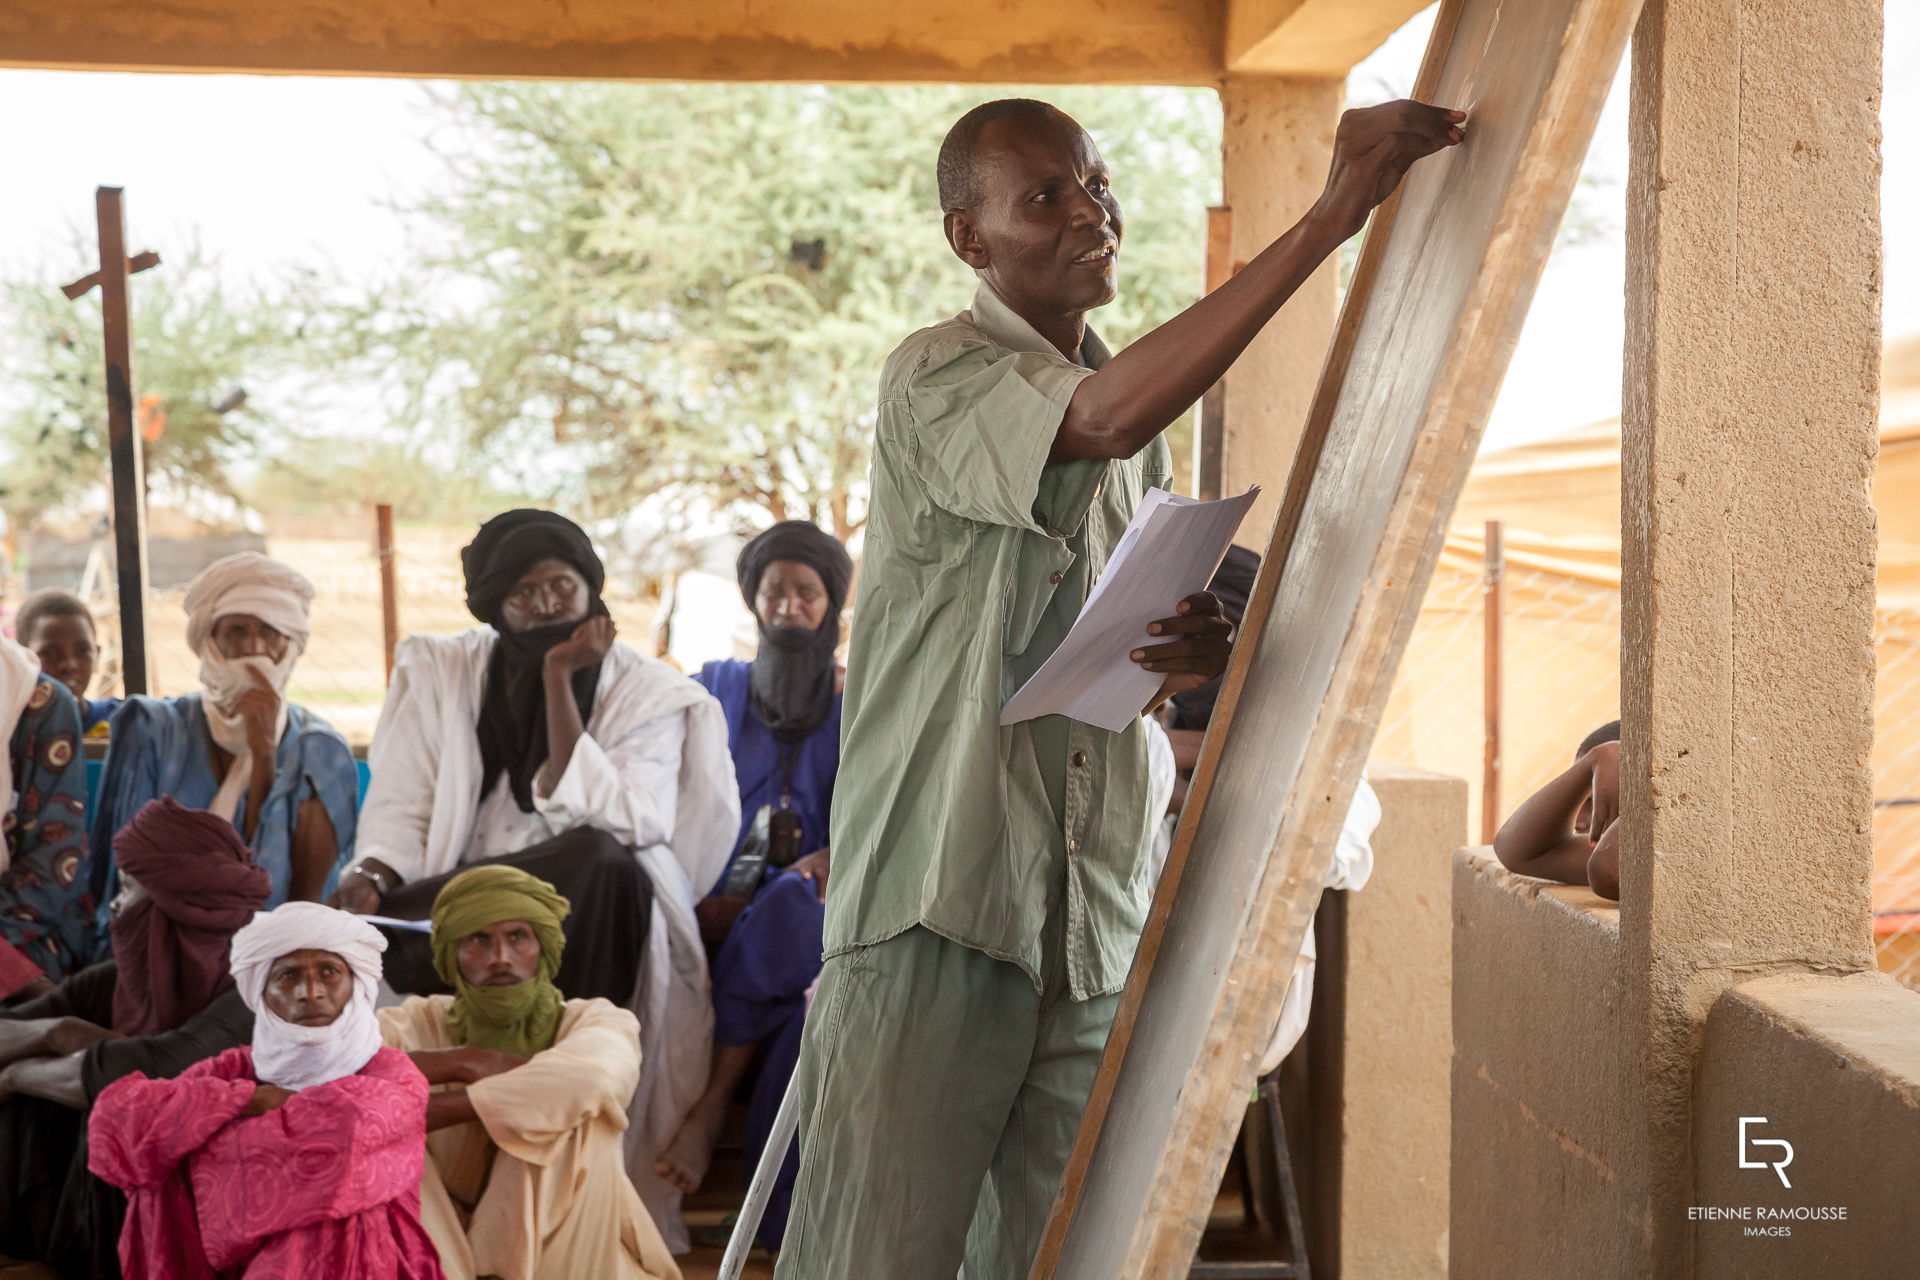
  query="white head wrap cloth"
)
[
  {"x": 286, "y": 1053},
  {"x": 279, "y": 596},
  {"x": 19, "y": 672}
]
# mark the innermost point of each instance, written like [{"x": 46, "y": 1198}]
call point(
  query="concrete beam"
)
[
  {"x": 1021, "y": 41},
  {"x": 1748, "y": 438},
  {"x": 1321, "y": 39}
]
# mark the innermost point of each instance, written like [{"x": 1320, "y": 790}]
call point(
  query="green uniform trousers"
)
[{"x": 940, "y": 1096}]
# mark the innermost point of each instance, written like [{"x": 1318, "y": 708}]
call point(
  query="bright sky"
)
[{"x": 270, "y": 172}]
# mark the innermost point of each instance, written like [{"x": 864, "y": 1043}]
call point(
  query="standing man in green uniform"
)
[{"x": 990, "y": 883}]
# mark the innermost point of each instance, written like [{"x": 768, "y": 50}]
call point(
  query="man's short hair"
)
[
  {"x": 51, "y": 603},
  {"x": 1608, "y": 732},
  {"x": 957, "y": 171}
]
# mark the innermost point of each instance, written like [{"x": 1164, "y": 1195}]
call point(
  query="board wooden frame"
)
[{"x": 1151, "y": 1227}]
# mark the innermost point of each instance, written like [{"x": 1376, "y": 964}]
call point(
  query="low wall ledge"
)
[
  {"x": 1867, "y": 1021},
  {"x": 1583, "y": 907}
]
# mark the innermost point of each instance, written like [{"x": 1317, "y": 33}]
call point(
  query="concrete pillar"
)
[
  {"x": 1748, "y": 439},
  {"x": 1276, "y": 144},
  {"x": 1396, "y": 1050}
]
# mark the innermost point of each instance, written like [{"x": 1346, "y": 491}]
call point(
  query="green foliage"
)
[
  {"x": 327, "y": 475},
  {"x": 194, "y": 346},
  {"x": 691, "y": 288}
]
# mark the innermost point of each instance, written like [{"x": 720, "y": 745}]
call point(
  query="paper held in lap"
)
[{"x": 1168, "y": 552}]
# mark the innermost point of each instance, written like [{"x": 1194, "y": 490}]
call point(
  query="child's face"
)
[{"x": 64, "y": 643}]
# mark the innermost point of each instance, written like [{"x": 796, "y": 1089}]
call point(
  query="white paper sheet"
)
[
  {"x": 417, "y": 926},
  {"x": 1169, "y": 551}
]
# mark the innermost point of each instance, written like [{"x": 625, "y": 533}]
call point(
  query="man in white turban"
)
[
  {"x": 283, "y": 776},
  {"x": 298, "y": 1155}
]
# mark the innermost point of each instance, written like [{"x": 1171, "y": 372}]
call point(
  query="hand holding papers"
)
[{"x": 1168, "y": 552}]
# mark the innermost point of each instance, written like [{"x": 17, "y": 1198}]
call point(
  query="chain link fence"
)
[{"x": 1561, "y": 680}]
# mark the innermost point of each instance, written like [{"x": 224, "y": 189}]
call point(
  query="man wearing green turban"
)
[
  {"x": 524, "y": 1174},
  {"x": 501, "y": 1009}
]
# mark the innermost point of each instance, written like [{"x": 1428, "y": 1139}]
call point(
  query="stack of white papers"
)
[
  {"x": 416, "y": 926},
  {"x": 1168, "y": 552}
]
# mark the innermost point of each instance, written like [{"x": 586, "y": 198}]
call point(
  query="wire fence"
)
[{"x": 1562, "y": 680}]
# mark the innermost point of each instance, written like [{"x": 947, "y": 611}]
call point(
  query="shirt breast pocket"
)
[{"x": 1039, "y": 569}]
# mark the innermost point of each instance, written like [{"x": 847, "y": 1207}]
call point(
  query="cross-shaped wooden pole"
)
[{"x": 123, "y": 437}]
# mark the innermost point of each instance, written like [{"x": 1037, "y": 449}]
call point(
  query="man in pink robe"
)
[{"x": 297, "y": 1156}]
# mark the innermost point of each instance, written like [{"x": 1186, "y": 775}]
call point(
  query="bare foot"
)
[{"x": 684, "y": 1162}]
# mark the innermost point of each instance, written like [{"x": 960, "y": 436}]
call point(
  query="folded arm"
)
[
  {"x": 330, "y": 1152},
  {"x": 590, "y": 1073},
  {"x": 1540, "y": 838},
  {"x": 140, "y": 1130},
  {"x": 48, "y": 1037},
  {"x": 60, "y": 1080}
]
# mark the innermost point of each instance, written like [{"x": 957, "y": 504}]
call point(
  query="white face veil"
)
[
  {"x": 285, "y": 1053},
  {"x": 278, "y": 595}
]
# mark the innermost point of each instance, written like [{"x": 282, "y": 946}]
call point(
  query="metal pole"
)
[
  {"x": 1210, "y": 435},
  {"x": 786, "y": 1123},
  {"x": 1495, "y": 589},
  {"x": 123, "y": 441},
  {"x": 389, "y": 581}
]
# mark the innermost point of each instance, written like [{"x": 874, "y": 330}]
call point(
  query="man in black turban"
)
[
  {"x": 534, "y": 578},
  {"x": 782, "y": 573},
  {"x": 539, "y": 742},
  {"x": 765, "y": 917}
]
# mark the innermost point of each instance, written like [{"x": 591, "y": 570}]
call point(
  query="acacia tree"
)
[
  {"x": 689, "y": 289},
  {"x": 196, "y": 351}
]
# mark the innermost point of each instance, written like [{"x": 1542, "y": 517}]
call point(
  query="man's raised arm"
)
[{"x": 1141, "y": 390}]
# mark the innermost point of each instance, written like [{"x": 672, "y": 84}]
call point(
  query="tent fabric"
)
[
  {"x": 1559, "y": 502},
  {"x": 1560, "y": 497}
]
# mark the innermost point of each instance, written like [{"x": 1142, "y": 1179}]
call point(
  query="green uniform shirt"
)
[{"x": 978, "y": 558}]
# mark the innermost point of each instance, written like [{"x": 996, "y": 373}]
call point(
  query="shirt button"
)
[
  {"x": 1056, "y": 577},
  {"x": 1073, "y": 846},
  {"x": 1079, "y": 759}
]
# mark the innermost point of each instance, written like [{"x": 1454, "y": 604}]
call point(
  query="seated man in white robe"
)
[
  {"x": 524, "y": 1175},
  {"x": 540, "y": 742}
]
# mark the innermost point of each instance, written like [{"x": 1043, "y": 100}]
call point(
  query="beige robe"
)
[{"x": 538, "y": 1189}]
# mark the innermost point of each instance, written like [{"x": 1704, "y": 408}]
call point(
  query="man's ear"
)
[{"x": 964, "y": 238}]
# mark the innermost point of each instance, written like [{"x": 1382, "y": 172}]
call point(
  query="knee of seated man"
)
[{"x": 606, "y": 854}]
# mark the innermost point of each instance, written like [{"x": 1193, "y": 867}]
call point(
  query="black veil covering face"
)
[
  {"x": 791, "y": 686},
  {"x": 513, "y": 708},
  {"x": 1233, "y": 585}
]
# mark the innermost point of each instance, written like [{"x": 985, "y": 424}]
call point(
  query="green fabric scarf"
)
[{"x": 518, "y": 1019}]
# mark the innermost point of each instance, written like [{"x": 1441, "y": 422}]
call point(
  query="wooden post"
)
[
  {"x": 1495, "y": 601},
  {"x": 1210, "y": 434},
  {"x": 123, "y": 442},
  {"x": 389, "y": 581}
]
